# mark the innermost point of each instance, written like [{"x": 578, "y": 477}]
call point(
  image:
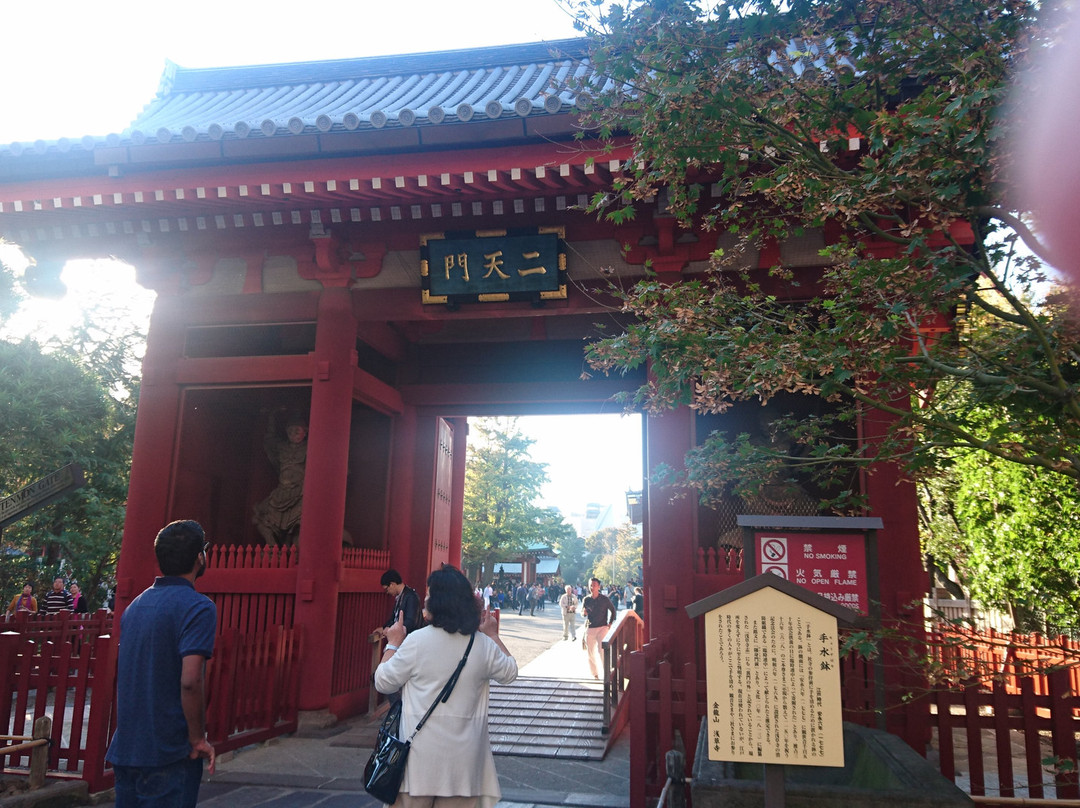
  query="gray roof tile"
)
[{"x": 305, "y": 98}]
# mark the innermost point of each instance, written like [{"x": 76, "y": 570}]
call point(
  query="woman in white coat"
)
[{"x": 450, "y": 764}]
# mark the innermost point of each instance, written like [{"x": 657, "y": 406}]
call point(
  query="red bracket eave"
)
[{"x": 253, "y": 177}]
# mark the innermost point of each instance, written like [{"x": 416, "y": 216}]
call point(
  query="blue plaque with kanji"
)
[{"x": 525, "y": 265}]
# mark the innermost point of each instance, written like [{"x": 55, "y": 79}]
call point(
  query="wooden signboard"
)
[
  {"x": 39, "y": 494},
  {"x": 773, "y": 673},
  {"x": 527, "y": 264}
]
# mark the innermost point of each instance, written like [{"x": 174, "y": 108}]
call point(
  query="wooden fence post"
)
[
  {"x": 9, "y": 649},
  {"x": 675, "y": 763},
  {"x": 639, "y": 740},
  {"x": 1062, "y": 733},
  {"x": 39, "y": 757},
  {"x": 102, "y": 714},
  {"x": 691, "y": 721}
]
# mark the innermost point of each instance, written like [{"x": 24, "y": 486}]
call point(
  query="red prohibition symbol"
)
[{"x": 773, "y": 550}]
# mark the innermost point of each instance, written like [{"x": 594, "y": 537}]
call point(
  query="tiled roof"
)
[
  {"x": 281, "y": 100},
  {"x": 547, "y": 566}
]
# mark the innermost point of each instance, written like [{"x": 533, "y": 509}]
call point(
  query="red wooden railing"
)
[
  {"x": 713, "y": 561},
  {"x": 58, "y": 678},
  {"x": 253, "y": 612},
  {"x": 358, "y": 614},
  {"x": 65, "y": 666},
  {"x": 626, "y": 635},
  {"x": 963, "y": 655},
  {"x": 60, "y": 627},
  {"x": 652, "y": 707},
  {"x": 250, "y": 557},
  {"x": 364, "y": 559},
  {"x": 253, "y": 687},
  {"x": 254, "y": 589},
  {"x": 991, "y": 723}
]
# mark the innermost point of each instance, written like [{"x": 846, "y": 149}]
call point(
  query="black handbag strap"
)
[{"x": 448, "y": 688}]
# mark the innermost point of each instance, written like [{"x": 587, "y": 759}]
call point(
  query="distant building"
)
[
  {"x": 539, "y": 562},
  {"x": 597, "y": 517}
]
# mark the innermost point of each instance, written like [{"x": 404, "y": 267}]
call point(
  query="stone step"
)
[{"x": 552, "y": 718}]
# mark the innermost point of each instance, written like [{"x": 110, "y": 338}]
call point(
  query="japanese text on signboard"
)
[
  {"x": 831, "y": 565},
  {"x": 773, "y": 684},
  {"x": 492, "y": 267}
]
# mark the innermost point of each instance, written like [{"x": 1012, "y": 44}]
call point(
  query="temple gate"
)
[{"x": 290, "y": 219}]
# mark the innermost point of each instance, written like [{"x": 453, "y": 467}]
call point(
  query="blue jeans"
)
[{"x": 175, "y": 785}]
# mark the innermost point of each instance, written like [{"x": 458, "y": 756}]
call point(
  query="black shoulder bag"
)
[{"x": 386, "y": 766}]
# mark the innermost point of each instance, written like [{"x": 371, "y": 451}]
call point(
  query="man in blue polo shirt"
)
[{"x": 166, "y": 636}]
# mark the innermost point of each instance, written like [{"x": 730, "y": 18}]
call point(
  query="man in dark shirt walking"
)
[
  {"x": 599, "y": 612},
  {"x": 166, "y": 636}
]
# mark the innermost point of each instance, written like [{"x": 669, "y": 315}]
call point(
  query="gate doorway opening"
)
[
  {"x": 582, "y": 478},
  {"x": 551, "y": 500}
]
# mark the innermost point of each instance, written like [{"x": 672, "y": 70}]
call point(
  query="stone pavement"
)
[
  {"x": 324, "y": 767},
  {"x": 299, "y": 772},
  {"x": 326, "y": 771}
]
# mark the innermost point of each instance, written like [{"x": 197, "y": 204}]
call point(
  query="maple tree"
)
[{"x": 878, "y": 130}]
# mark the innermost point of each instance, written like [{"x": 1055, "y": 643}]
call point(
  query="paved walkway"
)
[
  {"x": 325, "y": 767},
  {"x": 306, "y": 772}
]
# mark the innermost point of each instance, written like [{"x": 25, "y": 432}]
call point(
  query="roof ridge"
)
[
  {"x": 179, "y": 79},
  {"x": 338, "y": 96}
]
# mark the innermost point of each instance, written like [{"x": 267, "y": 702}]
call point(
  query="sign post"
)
[
  {"x": 773, "y": 677},
  {"x": 39, "y": 494}
]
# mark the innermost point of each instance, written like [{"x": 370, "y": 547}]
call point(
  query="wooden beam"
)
[
  {"x": 376, "y": 393},
  {"x": 380, "y": 337},
  {"x": 245, "y": 370},
  {"x": 454, "y": 399}
]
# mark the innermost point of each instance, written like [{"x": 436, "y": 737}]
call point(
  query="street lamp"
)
[{"x": 613, "y": 551}]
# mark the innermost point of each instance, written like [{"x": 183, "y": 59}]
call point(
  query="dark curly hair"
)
[{"x": 451, "y": 602}]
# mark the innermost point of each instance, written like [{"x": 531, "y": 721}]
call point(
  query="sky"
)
[
  {"x": 82, "y": 68},
  {"x": 590, "y": 458},
  {"x": 88, "y": 69}
]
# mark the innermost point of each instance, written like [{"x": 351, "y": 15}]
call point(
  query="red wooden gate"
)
[{"x": 61, "y": 666}]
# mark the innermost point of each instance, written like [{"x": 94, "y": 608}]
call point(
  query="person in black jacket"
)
[
  {"x": 78, "y": 602},
  {"x": 406, "y": 602}
]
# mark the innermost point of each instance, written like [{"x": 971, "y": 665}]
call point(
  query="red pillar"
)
[
  {"x": 319, "y": 568},
  {"x": 153, "y": 455},
  {"x": 457, "y": 510},
  {"x": 424, "y": 461},
  {"x": 668, "y": 536},
  {"x": 902, "y": 583}
]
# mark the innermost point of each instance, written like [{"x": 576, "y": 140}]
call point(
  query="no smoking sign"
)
[
  {"x": 832, "y": 565},
  {"x": 773, "y": 555}
]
